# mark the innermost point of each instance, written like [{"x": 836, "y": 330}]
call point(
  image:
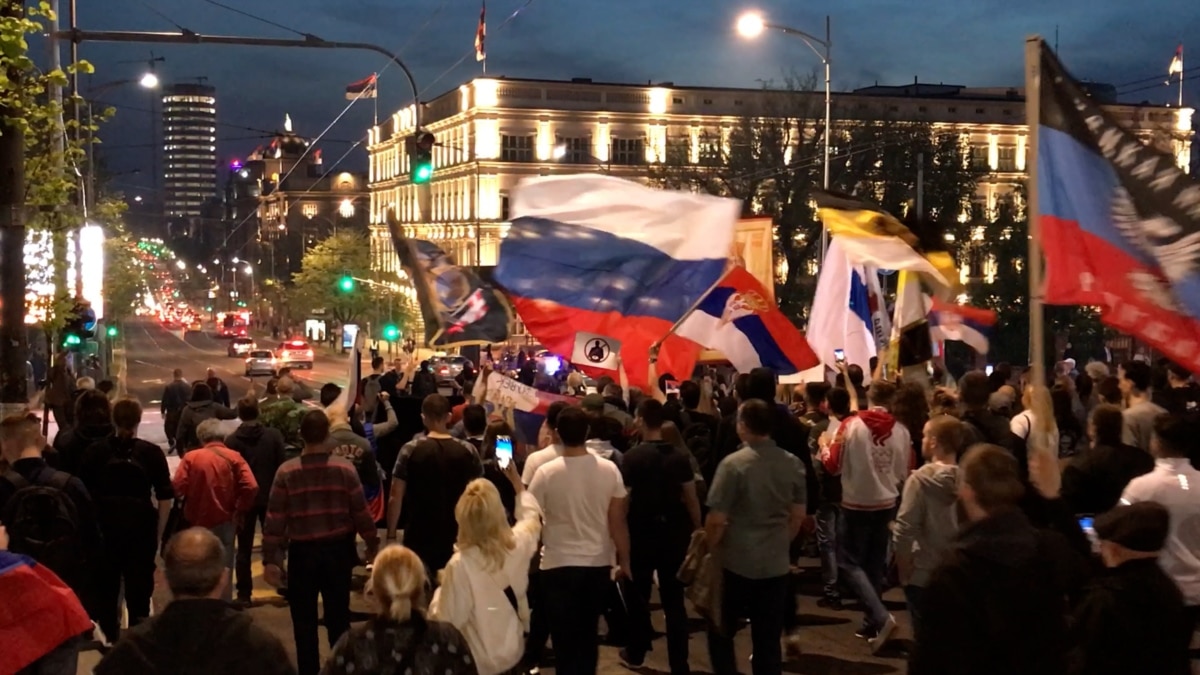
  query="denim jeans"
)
[
  {"x": 226, "y": 532},
  {"x": 863, "y": 539},
  {"x": 574, "y": 600},
  {"x": 764, "y": 603},
  {"x": 914, "y": 597},
  {"x": 828, "y": 517}
]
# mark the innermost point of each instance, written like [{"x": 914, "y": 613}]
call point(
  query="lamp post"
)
[
  {"x": 751, "y": 25},
  {"x": 149, "y": 80}
]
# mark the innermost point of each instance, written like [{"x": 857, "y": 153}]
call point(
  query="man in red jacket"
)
[{"x": 217, "y": 486}]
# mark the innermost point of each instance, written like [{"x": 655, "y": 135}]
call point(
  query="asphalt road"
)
[{"x": 152, "y": 352}]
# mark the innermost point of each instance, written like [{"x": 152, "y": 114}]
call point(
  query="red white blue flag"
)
[
  {"x": 970, "y": 325},
  {"x": 1119, "y": 221},
  {"x": 38, "y": 612},
  {"x": 738, "y": 320},
  {"x": 615, "y": 261}
]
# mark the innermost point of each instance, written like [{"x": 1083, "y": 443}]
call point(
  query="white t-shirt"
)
[
  {"x": 537, "y": 459},
  {"x": 575, "y": 493}
]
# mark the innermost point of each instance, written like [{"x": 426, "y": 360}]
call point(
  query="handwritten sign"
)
[{"x": 508, "y": 393}]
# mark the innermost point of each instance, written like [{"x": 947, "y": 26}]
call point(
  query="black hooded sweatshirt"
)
[{"x": 264, "y": 450}]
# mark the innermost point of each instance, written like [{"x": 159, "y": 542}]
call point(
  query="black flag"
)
[{"x": 457, "y": 307}]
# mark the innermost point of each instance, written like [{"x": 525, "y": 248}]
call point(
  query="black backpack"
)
[
  {"x": 43, "y": 524},
  {"x": 701, "y": 441},
  {"x": 123, "y": 488}
]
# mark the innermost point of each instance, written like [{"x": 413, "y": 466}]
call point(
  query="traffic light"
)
[
  {"x": 111, "y": 331},
  {"x": 391, "y": 333},
  {"x": 420, "y": 157},
  {"x": 346, "y": 283},
  {"x": 80, "y": 325}
]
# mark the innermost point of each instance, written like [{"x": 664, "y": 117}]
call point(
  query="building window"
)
[
  {"x": 309, "y": 210},
  {"x": 676, "y": 100},
  {"x": 708, "y": 101},
  {"x": 979, "y": 111},
  {"x": 628, "y": 151},
  {"x": 1007, "y": 160},
  {"x": 504, "y": 207},
  {"x": 516, "y": 148},
  {"x": 576, "y": 150},
  {"x": 1007, "y": 111},
  {"x": 979, "y": 156},
  {"x": 952, "y": 109},
  {"x": 922, "y": 109},
  {"x": 737, "y": 101}
]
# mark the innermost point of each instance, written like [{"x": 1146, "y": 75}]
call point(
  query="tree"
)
[
  {"x": 318, "y": 283},
  {"x": 124, "y": 278}
]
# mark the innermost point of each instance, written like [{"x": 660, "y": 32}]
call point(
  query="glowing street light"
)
[
  {"x": 750, "y": 25},
  {"x": 149, "y": 81}
]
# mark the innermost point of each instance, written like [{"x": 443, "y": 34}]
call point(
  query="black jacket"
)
[
  {"x": 263, "y": 449},
  {"x": 1093, "y": 480},
  {"x": 997, "y": 604},
  {"x": 197, "y": 637},
  {"x": 70, "y": 445},
  {"x": 1131, "y": 620},
  {"x": 194, "y": 413},
  {"x": 985, "y": 426}
]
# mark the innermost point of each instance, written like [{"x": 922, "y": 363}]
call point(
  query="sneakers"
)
[
  {"x": 831, "y": 602},
  {"x": 630, "y": 660},
  {"x": 791, "y": 646},
  {"x": 882, "y": 636}
]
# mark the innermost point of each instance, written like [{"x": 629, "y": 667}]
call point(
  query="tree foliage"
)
[
  {"x": 124, "y": 278},
  {"x": 316, "y": 285}
]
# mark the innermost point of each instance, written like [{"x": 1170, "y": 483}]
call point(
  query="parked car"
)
[
  {"x": 240, "y": 346},
  {"x": 260, "y": 362},
  {"x": 294, "y": 354},
  {"x": 446, "y": 368}
]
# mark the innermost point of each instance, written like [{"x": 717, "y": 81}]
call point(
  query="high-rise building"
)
[{"x": 189, "y": 124}]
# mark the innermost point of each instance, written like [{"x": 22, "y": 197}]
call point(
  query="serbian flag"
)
[
  {"x": 596, "y": 265},
  {"x": 961, "y": 323},
  {"x": 364, "y": 88},
  {"x": 738, "y": 320},
  {"x": 481, "y": 33},
  {"x": 1119, "y": 221},
  {"x": 38, "y": 612}
]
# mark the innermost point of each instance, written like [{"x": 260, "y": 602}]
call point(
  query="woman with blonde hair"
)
[
  {"x": 399, "y": 638},
  {"x": 483, "y": 587}
]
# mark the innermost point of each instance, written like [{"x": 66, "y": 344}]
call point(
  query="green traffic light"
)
[
  {"x": 71, "y": 340},
  {"x": 111, "y": 331},
  {"x": 422, "y": 173},
  {"x": 346, "y": 284},
  {"x": 391, "y": 332}
]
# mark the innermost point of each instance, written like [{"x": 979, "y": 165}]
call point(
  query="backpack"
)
[
  {"x": 701, "y": 442},
  {"x": 43, "y": 524},
  {"x": 123, "y": 499}
]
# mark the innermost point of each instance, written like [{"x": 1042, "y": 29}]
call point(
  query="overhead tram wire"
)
[
  {"x": 1162, "y": 83},
  {"x": 268, "y": 22},
  {"x": 160, "y": 14},
  {"x": 471, "y": 51}
]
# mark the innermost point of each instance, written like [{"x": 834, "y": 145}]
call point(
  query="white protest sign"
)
[{"x": 506, "y": 392}]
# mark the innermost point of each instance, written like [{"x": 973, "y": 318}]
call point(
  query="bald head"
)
[{"x": 195, "y": 564}]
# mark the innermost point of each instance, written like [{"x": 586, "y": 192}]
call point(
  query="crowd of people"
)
[{"x": 1032, "y": 529}]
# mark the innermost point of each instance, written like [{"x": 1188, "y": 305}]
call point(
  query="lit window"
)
[
  {"x": 346, "y": 209},
  {"x": 309, "y": 210}
]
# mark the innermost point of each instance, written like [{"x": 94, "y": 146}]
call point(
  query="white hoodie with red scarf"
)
[{"x": 872, "y": 452}]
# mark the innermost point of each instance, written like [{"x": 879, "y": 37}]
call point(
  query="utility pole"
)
[{"x": 14, "y": 346}]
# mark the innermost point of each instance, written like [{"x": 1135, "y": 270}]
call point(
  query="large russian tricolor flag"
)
[
  {"x": 604, "y": 258},
  {"x": 1119, "y": 221}
]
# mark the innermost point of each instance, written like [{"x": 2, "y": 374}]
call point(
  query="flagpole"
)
[
  {"x": 691, "y": 309},
  {"x": 1037, "y": 327}
]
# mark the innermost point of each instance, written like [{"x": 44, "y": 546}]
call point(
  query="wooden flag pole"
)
[{"x": 1037, "y": 316}]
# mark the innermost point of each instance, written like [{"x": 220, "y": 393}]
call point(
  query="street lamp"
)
[
  {"x": 750, "y": 25},
  {"x": 149, "y": 80}
]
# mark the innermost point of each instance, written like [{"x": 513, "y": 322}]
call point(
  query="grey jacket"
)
[{"x": 928, "y": 519}]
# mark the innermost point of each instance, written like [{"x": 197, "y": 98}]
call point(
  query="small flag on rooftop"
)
[{"x": 364, "y": 88}]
